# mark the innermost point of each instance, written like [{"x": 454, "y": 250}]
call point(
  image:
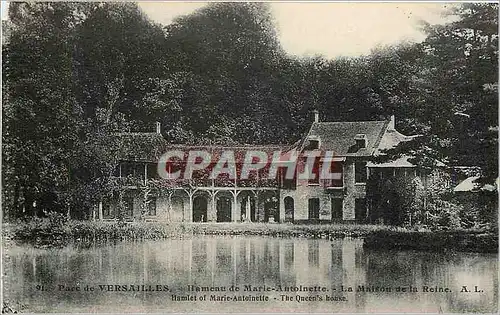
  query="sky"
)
[
  {"x": 327, "y": 28},
  {"x": 331, "y": 29}
]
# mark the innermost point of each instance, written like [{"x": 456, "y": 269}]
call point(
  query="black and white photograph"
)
[{"x": 272, "y": 157}]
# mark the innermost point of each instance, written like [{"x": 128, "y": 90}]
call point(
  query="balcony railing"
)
[
  {"x": 199, "y": 182},
  {"x": 332, "y": 184}
]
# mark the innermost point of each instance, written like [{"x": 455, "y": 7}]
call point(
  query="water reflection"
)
[{"x": 240, "y": 261}]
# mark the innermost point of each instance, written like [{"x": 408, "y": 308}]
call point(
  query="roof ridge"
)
[
  {"x": 357, "y": 121},
  {"x": 380, "y": 136},
  {"x": 137, "y": 133},
  {"x": 226, "y": 146},
  {"x": 303, "y": 140}
]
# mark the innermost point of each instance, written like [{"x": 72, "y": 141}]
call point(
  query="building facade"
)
[{"x": 143, "y": 195}]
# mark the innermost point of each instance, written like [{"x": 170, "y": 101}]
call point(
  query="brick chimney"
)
[
  {"x": 316, "y": 115},
  {"x": 392, "y": 123}
]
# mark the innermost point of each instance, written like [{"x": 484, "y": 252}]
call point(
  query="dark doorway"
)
[
  {"x": 200, "y": 206},
  {"x": 314, "y": 209},
  {"x": 289, "y": 209},
  {"x": 337, "y": 209},
  {"x": 128, "y": 205},
  {"x": 151, "y": 206},
  {"x": 177, "y": 214},
  {"x": 223, "y": 209},
  {"x": 271, "y": 213}
]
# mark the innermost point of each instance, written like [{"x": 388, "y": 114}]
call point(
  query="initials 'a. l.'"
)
[{"x": 476, "y": 289}]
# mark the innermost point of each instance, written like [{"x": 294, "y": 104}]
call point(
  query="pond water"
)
[{"x": 293, "y": 275}]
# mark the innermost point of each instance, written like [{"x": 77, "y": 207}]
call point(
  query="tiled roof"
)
[
  {"x": 401, "y": 161},
  {"x": 149, "y": 147},
  {"x": 339, "y": 136},
  {"x": 472, "y": 184},
  {"x": 142, "y": 146},
  {"x": 391, "y": 139},
  {"x": 469, "y": 184}
]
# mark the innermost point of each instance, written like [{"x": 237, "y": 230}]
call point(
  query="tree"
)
[
  {"x": 73, "y": 77},
  {"x": 396, "y": 200},
  {"x": 117, "y": 67},
  {"x": 76, "y": 74},
  {"x": 446, "y": 90},
  {"x": 462, "y": 69},
  {"x": 118, "y": 63},
  {"x": 230, "y": 53},
  {"x": 40, "y": 129}
]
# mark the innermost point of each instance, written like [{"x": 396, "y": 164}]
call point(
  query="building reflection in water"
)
[{"x": 256, "y": 261}]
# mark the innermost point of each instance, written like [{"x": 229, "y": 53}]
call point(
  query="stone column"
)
[
  {"x": 281, "y": 208},
  {"x": 248, "y": 213},
  {"x": 189, "y": 215},
  {"x": 169, "y": 208},
  {"x": 234, "y": 209},
  {"x": 100, "y": 210},
  {"x": 212, "y": 209}
]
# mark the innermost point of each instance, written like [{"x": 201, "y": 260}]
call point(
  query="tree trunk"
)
[
  {"x": 15, "y": 211},
  {"x": 28, "y": 203}
]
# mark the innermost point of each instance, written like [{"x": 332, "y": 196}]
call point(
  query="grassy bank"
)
[
  {"x": 467, "y": 241},
  {"x": 42, "y": 232},
  {"x": 46, "y": 233}
]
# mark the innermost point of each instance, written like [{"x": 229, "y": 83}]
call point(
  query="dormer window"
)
[
  {"x": 361, "y": 141},
  {"x": 313, "y": 143}
]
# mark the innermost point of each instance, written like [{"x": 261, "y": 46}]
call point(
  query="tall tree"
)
[
  {"x": 231, "y": 50},
  {"x": 117, "y": 62},
  {"x": 39, "y": 108},
  {"x": 118, "y": 75},
  {"x": 462, "y": 98}
]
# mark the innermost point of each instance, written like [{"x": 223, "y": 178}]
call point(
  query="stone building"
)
[{"x": 144, "y": 195}]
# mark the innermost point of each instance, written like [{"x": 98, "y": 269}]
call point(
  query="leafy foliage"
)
[
  {"x": 429, "y": 204},
  {"x": 76, "y": 73}
]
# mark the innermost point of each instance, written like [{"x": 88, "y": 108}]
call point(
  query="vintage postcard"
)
[{"x": 249, "y": 157}]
